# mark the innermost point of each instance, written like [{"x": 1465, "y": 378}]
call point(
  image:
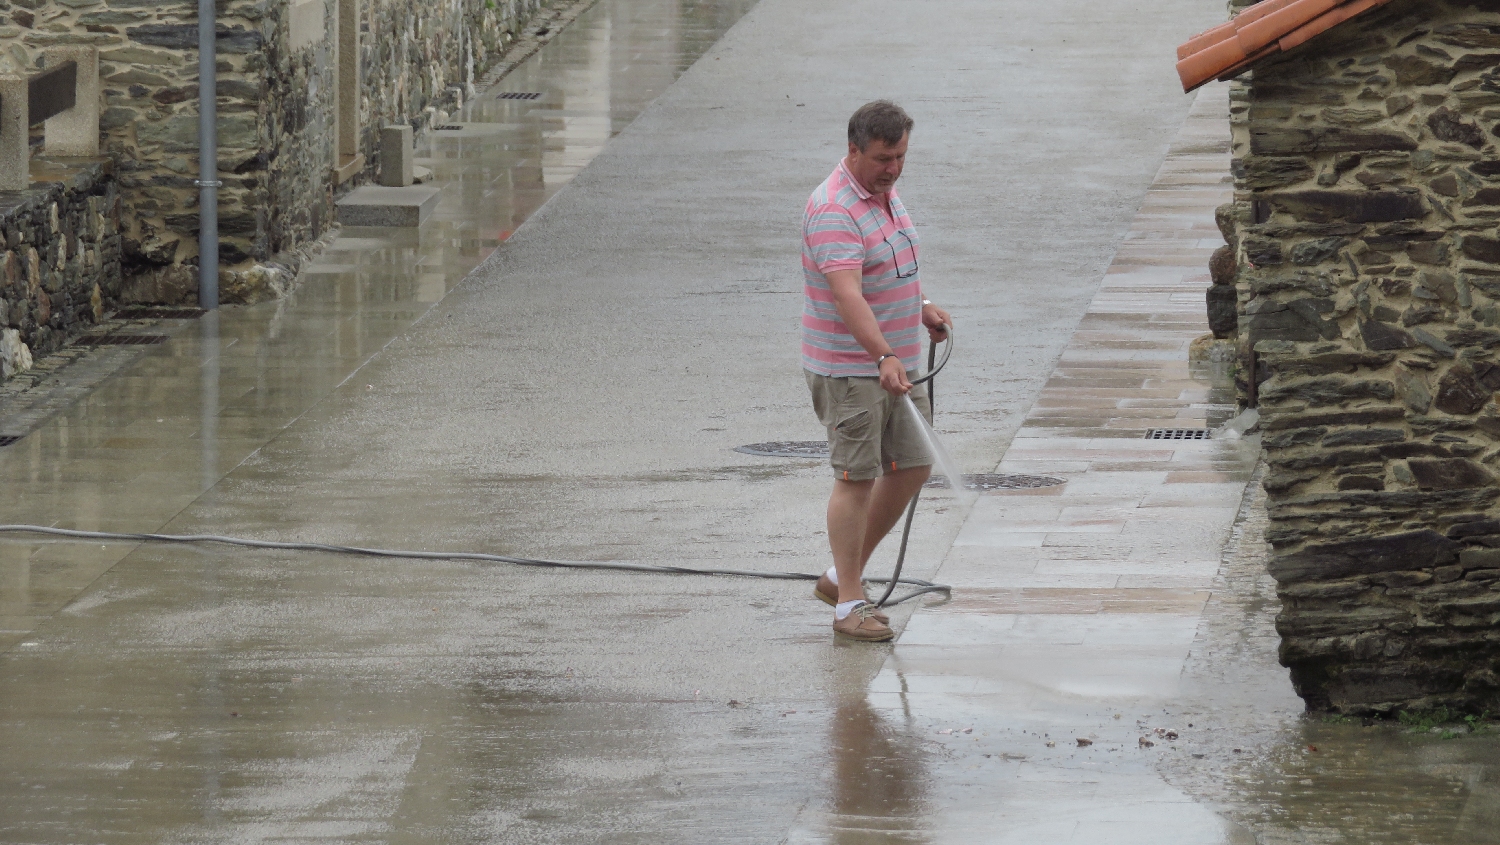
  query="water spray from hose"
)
[{"x": 940, "y": 457}]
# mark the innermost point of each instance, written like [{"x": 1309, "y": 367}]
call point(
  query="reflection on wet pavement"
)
[
  {"x": 879, "y": 777},
  {"x": 229, "y": 383}
]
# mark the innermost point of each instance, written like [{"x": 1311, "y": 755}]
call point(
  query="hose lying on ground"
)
[{"x": 922, "y": 587}]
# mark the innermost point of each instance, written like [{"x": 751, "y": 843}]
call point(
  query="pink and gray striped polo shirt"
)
[{"x": 846, "y": 227}]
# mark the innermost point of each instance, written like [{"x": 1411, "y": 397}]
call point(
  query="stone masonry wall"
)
[
  {"x": 59, "y": 259},
  {"x": 1368, "y": 278},
  {"x": 418, "y": 60},
  {"x": 275, "y": 113}
]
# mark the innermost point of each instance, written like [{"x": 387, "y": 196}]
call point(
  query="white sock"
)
[
  {"x": 844, "y": 608},
  {"x": 833, "y": 575}
]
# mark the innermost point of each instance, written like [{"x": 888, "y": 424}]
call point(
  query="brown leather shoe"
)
[
  {"x": 827, "y": 592},
  {"x": 861, "y": 624}
]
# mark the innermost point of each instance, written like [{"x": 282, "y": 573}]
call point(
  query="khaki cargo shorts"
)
[{"x": 869, "y": 432}]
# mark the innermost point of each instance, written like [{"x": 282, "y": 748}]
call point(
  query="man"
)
[{"x": 862, "y": 317}]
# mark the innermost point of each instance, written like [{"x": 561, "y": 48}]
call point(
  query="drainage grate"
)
[
  {"x": 447, "y": 127},
  {"x": 7, "y": 439},
  {"x": 121, "y": 340},
  {"x": 999, "y": 481},
  {"x": 139, "y": 313},
  {"x": 519, "y": 95},
  {"x": 1177, "y": 434},
  {"x": 787, "y": 449}
]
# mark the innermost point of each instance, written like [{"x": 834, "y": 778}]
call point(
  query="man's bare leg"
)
[
  {"x": 848, "y": 515},
  {"x": 893, "y": 492},
  {"x": 860, "y": 514}
]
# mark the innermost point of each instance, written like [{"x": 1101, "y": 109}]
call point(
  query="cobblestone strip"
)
[{"x": 58, "y": 380}]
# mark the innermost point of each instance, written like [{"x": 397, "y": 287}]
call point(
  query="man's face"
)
[{"x": 878, "y": 165}]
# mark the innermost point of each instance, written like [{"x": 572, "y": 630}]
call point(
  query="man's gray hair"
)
[{"x": 882, "y": 120}]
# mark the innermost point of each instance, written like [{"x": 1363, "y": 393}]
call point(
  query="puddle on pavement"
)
[{"x": 1301, "y": 779}]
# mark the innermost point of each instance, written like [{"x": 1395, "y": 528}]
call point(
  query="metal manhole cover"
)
[
  {"x": 787, "y": 449},
  {"x": 1178, "y": 434},
  {"x": 7, "y": 439},
  {"x": 520, "y": 95},
  {"x": 999, "y": 481},
  {"x": 121, "y": 340},
  {"x": 138, "y": 313}
]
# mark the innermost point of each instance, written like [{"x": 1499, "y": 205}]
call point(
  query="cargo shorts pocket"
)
[
  {"x": 853, "y": 447},
  {"x": 828, "y": 395}
]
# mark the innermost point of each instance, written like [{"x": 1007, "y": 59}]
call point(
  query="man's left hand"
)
[{"x": 936, "y": 320}]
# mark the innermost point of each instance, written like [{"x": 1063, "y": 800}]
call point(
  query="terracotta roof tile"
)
[{"x": 1268, "y": 27}]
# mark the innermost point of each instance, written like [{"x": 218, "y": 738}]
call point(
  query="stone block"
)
[
  {"x": 75, "y": 132},
  {"x": 1412, "y": 390},
  {"x": 1350, "y": 206},
  {"x": 1479, "y": 559},
  {"x": 1317, "y": 251},
  {"x": 1223, "y": 316},
  {"x": 1363, "y": 437},
  {"x": 381, "y": 206},
  {"x": 1478, "y": 528},
  {"x": 1407, "y": 551},
  {"x": 1338, "y": 622},
  {"x": 1449, "y": 473},
  {"x": 1328, "y": 139},
  {"x": 15, "y": 356},
  {"x": 1280, "y": 422},
  {"x": 1327, "y": 363},
  {"x": 1262, "y": 172},
  {"x": 184, "y": 36},
  {"x": 396, "y": 156},
  {"x": 1481, "y": 248},
  {"x": 1222, "y": 267},
  {"x": 1460, "y": 392},
  {"x": 1434, "y": 342},
  {"x": 1263, "y": 252}
]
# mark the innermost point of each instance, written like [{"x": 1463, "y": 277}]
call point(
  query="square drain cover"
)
[
  {"x": 520, "y": 95},
  {"x": 1178, "y": 434}
]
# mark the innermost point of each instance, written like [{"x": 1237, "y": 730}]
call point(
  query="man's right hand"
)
[{"x": 893, "y": 377}]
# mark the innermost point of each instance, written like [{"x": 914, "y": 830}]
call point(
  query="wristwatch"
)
[{"x": 881, "y": 359}]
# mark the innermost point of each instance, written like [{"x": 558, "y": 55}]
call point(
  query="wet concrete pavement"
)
[{"x": 559, "y": 364}]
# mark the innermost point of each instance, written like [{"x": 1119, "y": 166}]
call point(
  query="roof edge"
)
[{"x": 1268, "y": 27}]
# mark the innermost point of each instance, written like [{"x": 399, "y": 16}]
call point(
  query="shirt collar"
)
[{"x": 854, "y": 183}]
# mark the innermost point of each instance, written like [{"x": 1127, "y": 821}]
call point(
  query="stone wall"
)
[
  {"x": 59, "y": 258},
  {"x": 1367, "y": 270},
  {"x": 277, "y": 77}
]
